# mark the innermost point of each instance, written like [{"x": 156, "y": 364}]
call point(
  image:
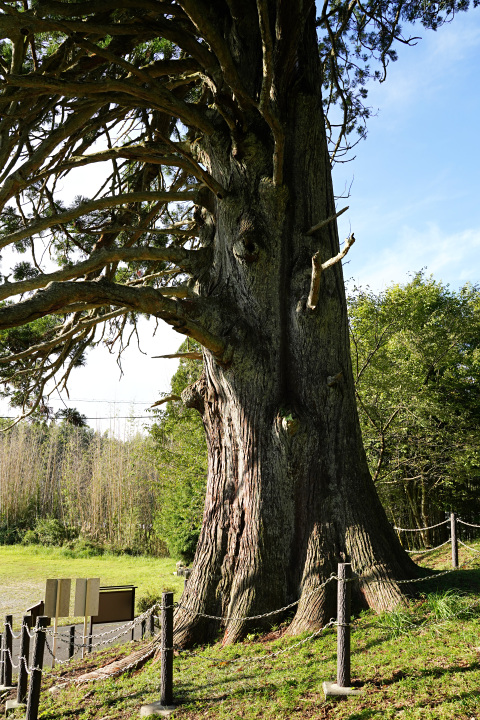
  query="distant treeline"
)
[{"x": 59, "y": 483}]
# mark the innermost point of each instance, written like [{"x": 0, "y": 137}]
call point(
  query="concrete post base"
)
[
  {"x": 12, "y": 705},
  {"x": 331, "y": 689},
  {"x": 156, "y": 708}
]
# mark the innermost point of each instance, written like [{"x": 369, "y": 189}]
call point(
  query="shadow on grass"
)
[
  {"x": 434, "y": 673},
  {"x": 467, "y": 581}
]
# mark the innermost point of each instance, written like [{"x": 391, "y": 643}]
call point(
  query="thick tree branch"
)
[
  {"x": 43, "y": 348},
  {"x": 101, "y": 204},
  {"x": 57, "y": 295},
  {"x": 318, "y": 267},
  {"x": 185, "y": 259},
  {"x": 200, "y": 15},
  {"x": 265, "y": 105},
  {"x": 160, "y": 99},
  {"x": 21, "y": 177}
]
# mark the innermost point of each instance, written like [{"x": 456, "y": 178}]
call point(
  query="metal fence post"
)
[
  {"x": 33, "y": 699},
  {"x": 167, "y": 649},
  {"x": 453, "y": 535}
]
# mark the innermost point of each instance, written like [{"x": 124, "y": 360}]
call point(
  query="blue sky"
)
[
  {"x": 415, "y": 195},
  {"x": 414, "y": 203}
]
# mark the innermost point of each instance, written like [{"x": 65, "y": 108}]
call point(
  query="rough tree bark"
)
[{"x": 289, "y": 493}]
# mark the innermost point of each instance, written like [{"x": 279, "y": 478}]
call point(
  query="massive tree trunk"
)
[{"x": 289, "y": 493}]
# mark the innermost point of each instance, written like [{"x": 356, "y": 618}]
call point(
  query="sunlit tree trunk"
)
[{"x": 289, "y": 494}]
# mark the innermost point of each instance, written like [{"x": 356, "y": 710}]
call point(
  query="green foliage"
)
[
  {"x": 400, "y": 621},
  {"x": 83, "y": 548},
  {"x": 60, "y": 481},
  {"x": 50, "y": 531},
  {"x": 10, "y": 534},
  {"x": 148, "y": 600},
  {"x": 449, "y": 604},
  {"x": 416, "y": 360},
  {"x": 182, "y": 465}
]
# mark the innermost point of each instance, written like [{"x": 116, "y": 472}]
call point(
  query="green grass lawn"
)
[
  {"x": 421, "y": 662},
  {"x": 24, "y": 570}
]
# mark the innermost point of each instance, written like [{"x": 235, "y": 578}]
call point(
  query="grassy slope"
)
[
  {"x": 414, "y": 665},
  {"x": 23, "y": 571}
]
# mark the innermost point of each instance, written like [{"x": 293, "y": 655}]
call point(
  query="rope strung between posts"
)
[
  {"x": 430, "y": 527},
  {"x": 469, "y": 524},
  {"x": 468, "y": 547},
  {"x": 9, "y": 625},
  {"x": 424, "y": 552}
]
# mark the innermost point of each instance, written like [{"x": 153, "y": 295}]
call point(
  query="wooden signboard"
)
[
  {"x": 57, "y": 604},
  {"x": 57, "y": 597},
  {"x": 117, "y": 604},
  {"x": 87, "y": 592}
]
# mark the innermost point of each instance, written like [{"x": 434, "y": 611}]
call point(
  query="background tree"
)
[
  {"x": 217, "y": 215},
  {"x": 416, "y": 360},
  {"x": 181, "y": 452}
]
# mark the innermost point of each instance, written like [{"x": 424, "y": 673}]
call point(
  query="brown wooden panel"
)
[{"x": 116, "y": 605}]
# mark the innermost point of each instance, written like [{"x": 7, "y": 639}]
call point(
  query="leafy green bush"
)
[
  {"x": 82, "y": 548},
  {"x": 145, "y": 602},
  {"x": 30, "y": 538},
  {"x": 10, "y": 534},
  {"x": 50, "y": 531}
]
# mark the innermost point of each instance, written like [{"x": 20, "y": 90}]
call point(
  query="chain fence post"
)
[
  {"x": 454, "y": 538},
  {"x": 165, "y": 705},
  {"x": 167, "y": 649},
  {"x": 344, "y": 591},
  {"x": 23, "y": 661},
  {"x": 33, "y": 699},
  {"x": 7, "y": 637},
  {"x": 343, "y": 620},
  {"x": 71, "y": 642},
  {"x": 20, "y": 700}
]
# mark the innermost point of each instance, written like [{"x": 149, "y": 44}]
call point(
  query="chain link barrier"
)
[
  {"x": 228, "y": 618},
  {"x": 261, "y": 658}
]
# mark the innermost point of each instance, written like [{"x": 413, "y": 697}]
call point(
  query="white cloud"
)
[{"x": 453, "y": 258}]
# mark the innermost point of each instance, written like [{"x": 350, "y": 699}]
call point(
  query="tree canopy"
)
[
  {"x": 128, "y": 88},
  {"x": 416, "y": 355}
]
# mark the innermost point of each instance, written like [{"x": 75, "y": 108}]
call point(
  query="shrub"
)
[
  {"x": 145, "y": 602},
  {"x": 10, "y": 534},
  {"x": 30, "y": 538},
  {"x": 51, "y": 531},
  {"x": 82, "y": 548}
]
